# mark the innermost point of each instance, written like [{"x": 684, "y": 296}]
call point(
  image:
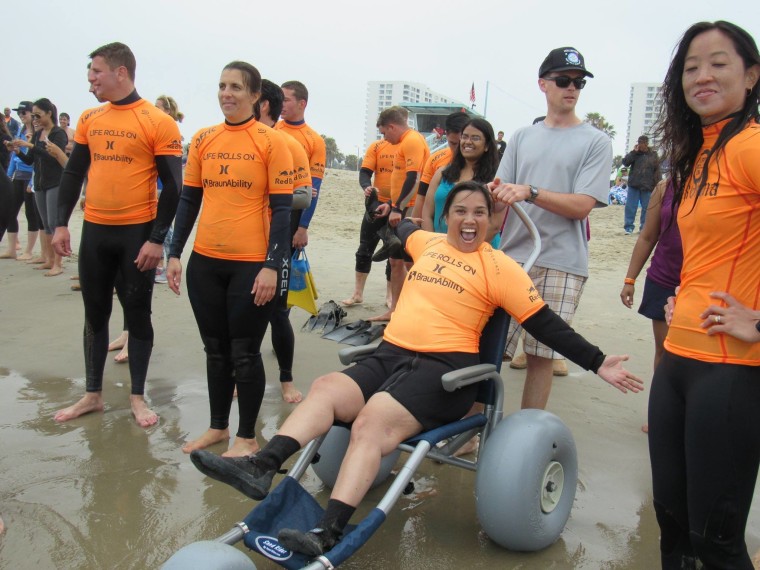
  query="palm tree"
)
[{"x": 598, "y": 121}]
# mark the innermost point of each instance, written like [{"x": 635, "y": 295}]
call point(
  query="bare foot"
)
[
  {"x": 469, "y": 447},
  {"x": 386, "y": 316},
  {"x": 74, "y": 277},
  {"x": 289, "y": 393},
  {"x": 36, "y": 260},
  {"x": 352, "y": 300},
  {"x": 144, "y": 416},
  {"x": 123, "y": 356},
  {"x": 8, "y": 255},
  {"x": 119, "y": 342},
  {"x": 209, "y": 438},
  {"x": 90, "y": 402},
  {"x": 756, "y": 560},
  {"x": 45, "y": 265},
  {"x": 645, "y": 428},
  {"x": 54, "y": 271},
  {"x": 24, "y": 257},
  {"x": 242, "y": 447}
]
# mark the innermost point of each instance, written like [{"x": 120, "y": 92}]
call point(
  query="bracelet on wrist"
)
[{"x": 629, "y": 281}]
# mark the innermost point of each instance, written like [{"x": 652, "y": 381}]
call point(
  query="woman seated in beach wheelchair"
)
[{"x": 394, "y": 392}]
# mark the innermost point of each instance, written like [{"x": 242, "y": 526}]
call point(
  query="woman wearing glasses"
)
[
  {"x": 476, "y": 158},
  {"x": 46, "y": 151}
]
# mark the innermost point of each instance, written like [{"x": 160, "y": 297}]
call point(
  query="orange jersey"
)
[
  {"x": 124, "y": 141},
  {"x": 312, "y": 143},
  {"x": 238, "y": 167},
  {"x": 301, "y": 173},
  {"x": 379, "y": 159},
  {"x": 469, "y": 285},
  {"x": 721, "y": 246},
  {"x": 411, "y": 153},
  {"x": 438, "y": 159}
]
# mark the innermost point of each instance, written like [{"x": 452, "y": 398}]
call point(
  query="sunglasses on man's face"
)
[
  {"x": 21, "y": 113},
  {"x": 563, "y": 81}
]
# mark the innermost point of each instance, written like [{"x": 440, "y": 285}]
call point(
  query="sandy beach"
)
[{"x": 100, "y": 492}]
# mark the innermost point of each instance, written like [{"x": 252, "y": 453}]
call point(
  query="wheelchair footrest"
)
[{"x": 289, "y": 505}]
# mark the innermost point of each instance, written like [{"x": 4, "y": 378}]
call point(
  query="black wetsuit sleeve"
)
[
  {"x": 365, "y": 178},
  {"x": 187, "y": 211},
  {"x": 170, "y": 171},
  {"x": 406, "y": 191},
  {"x": 404, "y": 229},
  {"x": 279, "y": 231},
  {"x": 422, "y": 190},
  {"x": 555, "y": 333},
  {"x": 28, "y": 156},
  {"x": 71, "y": 182}
]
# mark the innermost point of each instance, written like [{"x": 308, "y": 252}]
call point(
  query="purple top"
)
[{"x": 665, "y": 268}]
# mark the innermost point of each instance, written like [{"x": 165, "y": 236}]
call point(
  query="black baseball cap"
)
[
  {"x": 563, "y": 59},
  {"x": 24, "y": 106}
]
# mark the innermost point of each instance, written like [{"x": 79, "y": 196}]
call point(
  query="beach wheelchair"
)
[{"x": 525, "y": 482}]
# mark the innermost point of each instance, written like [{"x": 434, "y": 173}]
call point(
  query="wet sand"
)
[{"x": 100, "y": 492}]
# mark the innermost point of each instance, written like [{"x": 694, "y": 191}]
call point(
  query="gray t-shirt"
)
[{"x": 574, "y": 160}]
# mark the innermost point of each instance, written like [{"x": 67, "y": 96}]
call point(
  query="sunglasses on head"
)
[{"x": 563, "y": 81}]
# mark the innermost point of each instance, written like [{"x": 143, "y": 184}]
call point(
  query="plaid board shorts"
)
[{"x": 562, "y": 292}]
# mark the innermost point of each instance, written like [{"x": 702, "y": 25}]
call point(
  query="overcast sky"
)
[{"x": 335, "y": 47}]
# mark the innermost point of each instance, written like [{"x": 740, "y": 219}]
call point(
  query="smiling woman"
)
[
  {"x": 704, "y": 429},
  {"x": 234, "y": 169}
]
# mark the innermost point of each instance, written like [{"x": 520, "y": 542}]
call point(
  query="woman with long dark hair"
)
[
  {"x": 46, "y": 151},
  {"x": 476, "y": 158},
  {"x": 704, "y": 425}
]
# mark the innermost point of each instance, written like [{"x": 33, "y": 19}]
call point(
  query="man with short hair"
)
[
  {"x": 501, "y": 144},
  {"x": 411, "y": 154},
  {"x": 13, "y": 125},
  {"x": 267, "y": 111},
  {"x": 293, "y": 123},
  {"x": 441, "y": 158},
  {"x": 122, "y": 147},
  {"x": 559, "y": 170},
  {"x": 643, "y": 176}
]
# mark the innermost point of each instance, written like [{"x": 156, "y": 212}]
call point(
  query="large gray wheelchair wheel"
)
[
  {"x": 332, "y": 451},
  {"x": 526, "y": 480},
  {"x": 208, "y": 555}
]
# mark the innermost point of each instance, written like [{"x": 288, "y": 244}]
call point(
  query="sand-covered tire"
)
[
  {"x": 208, "y": 555},
  {"x": 331, "y": 454},
  {"x": 526, "y": 480}
]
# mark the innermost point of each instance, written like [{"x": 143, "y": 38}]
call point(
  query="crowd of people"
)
[{"x": 701, "y": 289}]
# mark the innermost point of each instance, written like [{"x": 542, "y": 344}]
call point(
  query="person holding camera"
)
[{"x": 643, "y": 177}]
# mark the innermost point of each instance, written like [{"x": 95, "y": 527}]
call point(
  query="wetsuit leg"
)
[
  {"x": 368, "y": 240},
  {"x": 283, "y": 338},
  {"x": 207, "y": 284},
  {"x": 98, "y": 266},
  {"x": 703, "y": 489},
  {"x": 232, "y": 328},
  {"x": 248, "y": 323},
  {"x": 135, "y": 291}
]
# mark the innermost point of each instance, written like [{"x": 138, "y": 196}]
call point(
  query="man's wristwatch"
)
[{"x": 533, "y": 194}]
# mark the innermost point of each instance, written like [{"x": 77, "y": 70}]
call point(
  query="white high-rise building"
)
[
  {"x": 384, "y": 94},
  {"x": 643, "y": 112}
]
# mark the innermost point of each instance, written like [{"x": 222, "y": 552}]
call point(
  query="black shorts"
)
[
  {"x": 414, "y": 380},
  {"x": 654, "y": 299}
]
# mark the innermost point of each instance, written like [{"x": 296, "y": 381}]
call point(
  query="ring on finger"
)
[{"x": 717, "y": 319}]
